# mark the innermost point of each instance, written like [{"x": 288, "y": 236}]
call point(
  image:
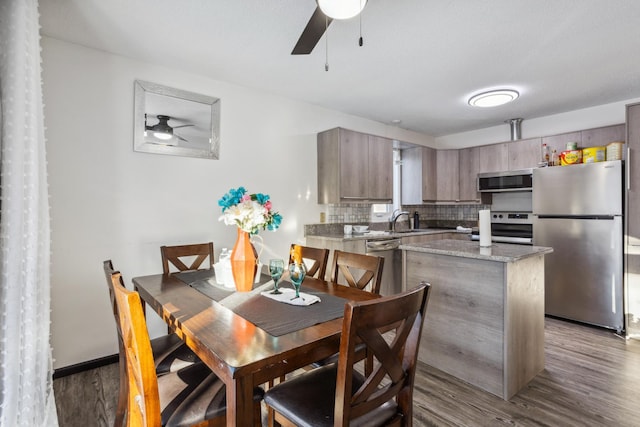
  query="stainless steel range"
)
[{"x": 510, "y": 227}]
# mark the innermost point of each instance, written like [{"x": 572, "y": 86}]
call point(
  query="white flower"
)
[{"x": 248, "y": 215}]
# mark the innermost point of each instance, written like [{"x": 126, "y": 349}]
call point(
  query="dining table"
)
[{"x": 245, "y": 338}]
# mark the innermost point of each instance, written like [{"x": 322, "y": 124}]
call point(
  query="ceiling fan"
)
[
  {"x": 162, "y": 130},
  {"x": 325, "y": 13}
]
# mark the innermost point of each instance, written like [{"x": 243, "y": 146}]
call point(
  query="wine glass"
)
[
  {"x": 276, "y": 268},
  {"x": 297, "y": 271}
]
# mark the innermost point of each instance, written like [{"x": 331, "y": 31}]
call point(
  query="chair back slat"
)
[
  {"x": 358, "y": 270},
  {"x": 391, "y": 328},
  {"x": 187, "y": 257}
]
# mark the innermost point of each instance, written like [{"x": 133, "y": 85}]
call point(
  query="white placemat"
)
[{"x": 288, "y": 296}]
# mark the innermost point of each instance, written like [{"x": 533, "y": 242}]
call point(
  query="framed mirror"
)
[{"x": 175, "y": 122}]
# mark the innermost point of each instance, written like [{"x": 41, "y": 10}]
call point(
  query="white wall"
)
[{"x": 109, "y": 202}]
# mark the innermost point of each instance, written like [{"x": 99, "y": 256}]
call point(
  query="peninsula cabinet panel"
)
[
  {"x": 469, "y": 161},
  {"x": 525, "y": 153},
  {"x": 448, "y": 176},
  {"x": 354, "y": 167},
  {"x": 485, "y": 320},
  {"x": 380, "y": 178},
  {"x": 494, "y": 157}
]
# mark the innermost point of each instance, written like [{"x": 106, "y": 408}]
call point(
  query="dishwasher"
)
[{"x": 392, "y": 268}]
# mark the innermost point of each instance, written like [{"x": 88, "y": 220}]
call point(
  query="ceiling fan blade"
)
[
  {"x": 312, "y": 33},
  {"x": 181, "y": 126}
]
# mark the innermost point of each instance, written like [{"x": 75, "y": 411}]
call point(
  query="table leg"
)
[{"x": 240, "y": 402}]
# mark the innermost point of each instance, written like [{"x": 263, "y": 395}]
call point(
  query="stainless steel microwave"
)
[{"x": 496, "y": 182}]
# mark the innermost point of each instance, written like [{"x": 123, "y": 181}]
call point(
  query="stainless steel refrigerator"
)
[{"x": 578, "y": 212}]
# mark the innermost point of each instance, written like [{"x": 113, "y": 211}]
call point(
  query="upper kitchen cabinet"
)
[
  {"x": 448, "y": 177},
  {"x": 559, "y": 142},
  {"x": 380, "y": 168},
  {"x": 354, "y": 167},
  {"x": 469, "y": 161},
  {"x": 494, "y": 158},
  {"x": 525, "y": 153},
  {"x": 418, "y": 175},
  {"x": 602, "y": 136}
]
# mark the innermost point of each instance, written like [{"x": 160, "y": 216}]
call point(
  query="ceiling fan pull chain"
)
[
  {"x": 326, "y": 40},
  {"x": 360, "y": 40}
]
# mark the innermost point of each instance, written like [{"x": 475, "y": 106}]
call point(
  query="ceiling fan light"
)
[
  {"x": 341, "y": 9},
  {"x": 493, "y": 98},
  {"x": 162, "y": 135}
]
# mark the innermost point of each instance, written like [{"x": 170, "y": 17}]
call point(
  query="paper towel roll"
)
[{"x": 485, "y": 228}]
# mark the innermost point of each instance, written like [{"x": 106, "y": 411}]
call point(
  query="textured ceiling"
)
[{"x": 420, "y": 61}]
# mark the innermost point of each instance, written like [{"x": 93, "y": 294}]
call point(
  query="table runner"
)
[{"x": 276, "y": 318}]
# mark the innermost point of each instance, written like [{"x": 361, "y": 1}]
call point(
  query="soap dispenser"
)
[{"x": 416, "y": 220}]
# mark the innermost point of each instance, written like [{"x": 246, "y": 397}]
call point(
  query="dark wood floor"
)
[{"x": 591, "y": 378}]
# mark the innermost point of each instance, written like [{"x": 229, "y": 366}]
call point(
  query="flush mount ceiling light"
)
[
  {"x": 493, "y": 98},
  {"x": 341, "y": 9}
]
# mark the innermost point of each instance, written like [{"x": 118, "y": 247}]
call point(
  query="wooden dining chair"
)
[
  {"x": 315, "y": 260},
  {"x": 190, "y": 396},
  {"x": 358, "y": 270},
  {"x": 182, "y": 257},
  {"x": 337, "y": 394},
  {"x": 170, "y": 353}
]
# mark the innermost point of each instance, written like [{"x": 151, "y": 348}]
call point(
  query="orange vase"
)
[{"x": 243, "y": 262}]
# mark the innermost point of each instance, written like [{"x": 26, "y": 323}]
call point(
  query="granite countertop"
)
[
  {"x": 501, "y": 252},
  {"x": 376, "y": 235}
]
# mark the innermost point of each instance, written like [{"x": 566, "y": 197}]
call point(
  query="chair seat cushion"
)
[
  {"x": 309, "y": 399},
  {"x": 192, "y": 395},
  {"x": 171, "y": 354}
]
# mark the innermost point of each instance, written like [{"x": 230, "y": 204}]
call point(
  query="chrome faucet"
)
[{"x": 394, "y": 218}]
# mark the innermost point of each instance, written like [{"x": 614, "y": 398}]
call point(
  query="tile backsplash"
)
[
  {"x": 430, "y": 215},
  {"x": 345, "y": 213}
]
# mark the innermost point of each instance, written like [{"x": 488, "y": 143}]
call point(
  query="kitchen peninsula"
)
[{"x": 485, "y": 320}]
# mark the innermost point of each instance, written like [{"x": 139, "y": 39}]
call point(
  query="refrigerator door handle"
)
[{"x": 603, "y": 217}]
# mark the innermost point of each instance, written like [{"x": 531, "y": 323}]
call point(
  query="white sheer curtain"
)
[{"x": 26, "y": 392}]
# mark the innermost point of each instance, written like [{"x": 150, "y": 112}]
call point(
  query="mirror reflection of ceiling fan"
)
[
  {"x": 163, "y": 131},
  {"x": 325, "y": 13}
]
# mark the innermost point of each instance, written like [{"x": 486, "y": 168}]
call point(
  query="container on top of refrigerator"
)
[
  {"x": 570, "y": 157},
  {"x": 614, "y": 150},
  {"x": 593, "y": 154}
]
